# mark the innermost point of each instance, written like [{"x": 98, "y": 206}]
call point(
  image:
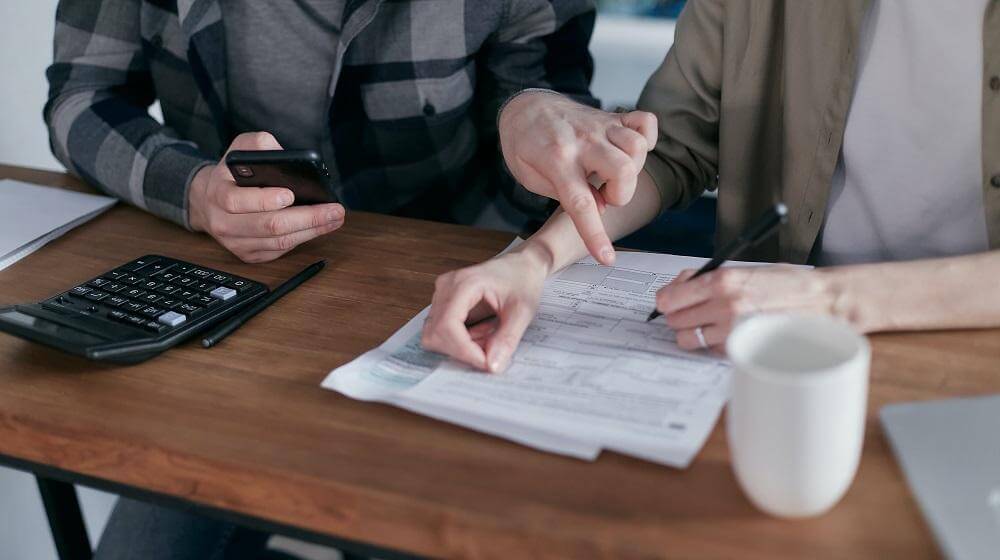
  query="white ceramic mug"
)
[{"x": 796, "y": 418}]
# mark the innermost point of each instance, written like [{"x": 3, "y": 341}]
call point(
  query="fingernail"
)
[
  {"x": 498, "y": 359},
  {"x": 333, "y": 216},
  {"x": 286, "y": 199},
  {"x": 608, "y": 256}
]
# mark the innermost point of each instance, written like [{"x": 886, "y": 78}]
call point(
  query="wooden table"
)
[{"x": 244, "y": 431}]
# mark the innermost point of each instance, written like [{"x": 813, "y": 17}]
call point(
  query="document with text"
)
[{"x": 590, "y": 373}]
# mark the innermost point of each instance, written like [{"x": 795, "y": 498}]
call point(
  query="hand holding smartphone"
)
[
  {"x": 301, "y": 171},
  {"x": 289, "y": 203}
]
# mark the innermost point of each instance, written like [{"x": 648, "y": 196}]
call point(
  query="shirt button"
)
[
  {"x": 995, "y": 181},
  {"x": 429, "y": 110}
]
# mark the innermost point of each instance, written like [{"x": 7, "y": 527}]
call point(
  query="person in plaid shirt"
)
[{"x": 400, "y": 97}]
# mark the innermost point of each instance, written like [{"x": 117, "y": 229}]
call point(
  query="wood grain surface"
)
[{"x": 245, "y": 427}]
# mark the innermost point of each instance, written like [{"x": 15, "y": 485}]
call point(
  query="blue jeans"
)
[{"x": 142, "y": 530}]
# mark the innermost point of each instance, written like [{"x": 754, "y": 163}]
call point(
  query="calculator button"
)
[
  {"x": 135, "y": 320},
  {"x": 138, "y": 263},
  {"x": 238, "y": 285},
  {"x": 204, "y": 301},
  {"x": 185, "y": 281},
  {"x": 116, "y": 274},
  {"x": 98, "y": 282},
  {"x": 115, "y": 301},
  {"x": 204, "y": 287},
  {"x": 151, "y": 298},
  {"x": 113, "y": 287},
  {"x": 155, "y": 268},
  {"x": 168, "y": 290},
  {"x": 188, "y": 308},
  {"x": 151, "y": 285},
  {"x": 220, "y": 278},
  {"x": 171, "y": 318},
  {"x": 153, "y": 326},
  {"x": 134, "y": 293},
  {"x": 133, "y": 306},
  {"x": 168, "y": 276},
  {"x": 186, "y": 294},
  {"x": 79, "y": 291},
  {"x": 96, "y": 295},
  {"x": 130, "y": 279},
  {"x": 223, "y": 293},
  {"x": 170, "y": 304},
  {"x": 200, "y": 273},
  {"x": 117, "y": 315},
  {"x": 151, "y": 312},
  {"x": 181, "y": 268}
]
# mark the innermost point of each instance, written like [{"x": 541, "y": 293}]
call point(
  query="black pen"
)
[
  {"x": 235, "y": 322},
  {"x": 759, "y": 231}
]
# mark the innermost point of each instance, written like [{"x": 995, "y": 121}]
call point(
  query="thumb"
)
[
  {"x": 514, "y": 319},
  {"x": 255, "y": 141}
]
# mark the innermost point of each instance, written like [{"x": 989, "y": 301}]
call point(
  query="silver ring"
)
[{"x": 701, "y": 338}]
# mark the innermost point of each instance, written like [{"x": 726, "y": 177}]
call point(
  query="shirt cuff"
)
[{"x": 168, "y": 179}]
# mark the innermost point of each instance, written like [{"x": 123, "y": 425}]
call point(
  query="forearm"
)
[
  {"x": 558, "y": 244},
  {"x": 133, "y": 159},
  {"x": 949, "y": 293}
]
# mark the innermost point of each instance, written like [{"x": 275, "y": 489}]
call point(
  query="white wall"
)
[
  {"x": 626, "y": 51},
  {"x": 25, "y": 50}
]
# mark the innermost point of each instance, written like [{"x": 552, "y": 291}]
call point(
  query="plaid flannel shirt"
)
[{"x": 406, "y": 117}]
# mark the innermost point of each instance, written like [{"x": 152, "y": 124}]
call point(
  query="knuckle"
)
[
  {"x": 318, "y": 219},
  {"x": 647, "y": 118},
  {"x": 562, "y": 150},
  {"x": 219, "y": 228},
  {"x": 634, "y": 144},
  {"x": 627, "y": 168},
  {"x": 723, "y": 282},
  {"x": 672, "y": 321},
  {"x": 733, "y": 307},
  {"x": 580, "y": 202},
  {"x": 276, "y": 225},
  {"x": 284, "y": 243},
  {"x": 461, "y": 276}
]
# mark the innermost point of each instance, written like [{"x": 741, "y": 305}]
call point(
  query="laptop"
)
[{"x": 950, "y": 453}]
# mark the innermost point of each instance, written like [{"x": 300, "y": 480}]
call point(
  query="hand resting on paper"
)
[{"x": 479, "y": 313}]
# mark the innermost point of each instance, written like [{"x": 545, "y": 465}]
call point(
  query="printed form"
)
[{"x": 590, "y": 373}]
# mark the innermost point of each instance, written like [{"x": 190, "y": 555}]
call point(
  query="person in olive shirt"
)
[{"x": 876, "y": 122}]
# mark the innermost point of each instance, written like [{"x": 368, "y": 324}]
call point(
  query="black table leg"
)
[{"x": 65, "y": 519}]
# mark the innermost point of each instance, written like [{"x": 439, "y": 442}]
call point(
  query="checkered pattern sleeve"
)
[
  {"x": 97, "y": 111},
  {"x": 541, "y": 44}
]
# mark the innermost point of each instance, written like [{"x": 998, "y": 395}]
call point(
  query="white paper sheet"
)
[
  {"x": 590, "y": 373},
  {"x": 33, "y": 215}
]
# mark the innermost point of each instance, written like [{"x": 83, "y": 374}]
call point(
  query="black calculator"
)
[{"x": 133, "y": 312}]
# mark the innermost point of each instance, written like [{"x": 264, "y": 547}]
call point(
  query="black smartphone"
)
[{"x": 301, "y": 171}]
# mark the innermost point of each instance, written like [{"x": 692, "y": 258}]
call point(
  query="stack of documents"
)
[
  {"x": 32, "y": 215},
  {"x": 590, "y": 373}
]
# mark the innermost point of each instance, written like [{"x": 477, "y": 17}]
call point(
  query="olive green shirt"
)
[{"x": 753, "y": 99}]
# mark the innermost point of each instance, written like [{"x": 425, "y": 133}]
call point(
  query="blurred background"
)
[{"x": 630, "y": 40}]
